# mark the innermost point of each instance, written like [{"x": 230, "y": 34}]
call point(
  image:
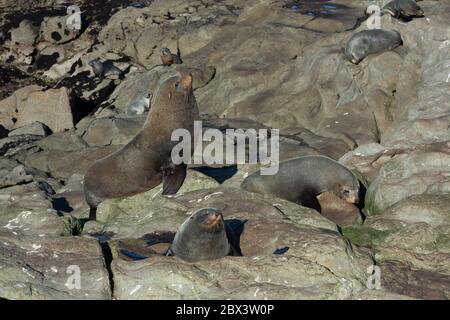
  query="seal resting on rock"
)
[
  {"x": 105, "y": 69},
  {"x": 403, "y": 8},
  {"x": 301, "y": 179},
  {"x": 146, "y": 160},
  {"x": 139, "y": 105},
  {"x": 204, "y": 236},
  {"x": 168, "y": 58},
  {"x": 367, "y": 42}
]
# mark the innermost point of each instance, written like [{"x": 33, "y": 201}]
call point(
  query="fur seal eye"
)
[
  {"x": 176, "y": 84},
  {"x": 346, "y": 192}
]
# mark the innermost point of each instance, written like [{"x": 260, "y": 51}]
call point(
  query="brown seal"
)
[
  {"x": 403, "y": 9},
  {"x": 301, "y": 179},
  {"x": 366, "y": 42},
  {"x": 146, "y": 160},
  {"x": 205, "y": 236},
  {"x": 168, "y": 58}
]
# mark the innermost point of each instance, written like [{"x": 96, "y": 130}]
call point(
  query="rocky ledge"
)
[{"x": 256, "y": 64}]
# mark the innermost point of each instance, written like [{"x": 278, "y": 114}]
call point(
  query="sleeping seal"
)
[
  {"x": 301, "y": 179},
  {"x": 367, "y": 42}
]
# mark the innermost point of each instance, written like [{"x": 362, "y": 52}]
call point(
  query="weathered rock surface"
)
[
  {"x": 35, "y": 267},
  {"x": 51, "y": 107},
  {"x": 415, "y": 173},
  {"x": 259, "y": 64},
  {"x": 315, "y": 250}
]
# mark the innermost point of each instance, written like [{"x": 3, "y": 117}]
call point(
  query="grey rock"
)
[
  {"x": 35, "y": 129},
  {"x": 54, "y": 30},
  {"x": 38, "y": 268},
  {"x": 52, "y": 108},
  {"x": 26, "y": 33}
]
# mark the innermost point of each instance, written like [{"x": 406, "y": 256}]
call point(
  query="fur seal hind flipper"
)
[
  {"x": 93, "y": 213},
  {"x": 173, "y": 178}
]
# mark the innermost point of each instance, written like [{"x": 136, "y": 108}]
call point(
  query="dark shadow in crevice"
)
[
  {"x": 61, "y": 205},
  {"x": 234, "y": 229},
  {"x": 362, "y": 197},
  {"x": 219, "y": 174}
]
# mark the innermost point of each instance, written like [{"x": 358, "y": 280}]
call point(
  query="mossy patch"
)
[
  {"x": 364, "y": 236},
  {"x": 72, "y": 227},
  {"x": 443, "y": 241},
  {"x": 369, "y": 200}
]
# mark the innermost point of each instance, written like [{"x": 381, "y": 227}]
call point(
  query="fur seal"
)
[
  {"x": 403, "y": 9},
  {"x": 367, "y": 42},
  {"x": 168, "y": 58},
  {"x": 204, "y": 236},
  {"x": 139, "y": 105},
  {"x": 301, "y": 179},
  {"x": 105, "y": 69},
  {"x": 146, "y": 160}
]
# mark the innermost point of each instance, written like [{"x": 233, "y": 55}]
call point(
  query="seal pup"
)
[
  {"x": 139, "y": 105},
  {"x": 105, "y": 69},
  {"x": 367, "y": 42},
  {"x": 168, "y": 58},
  {"x": 204, "y": 236},
  {"x": 146, "y": 160},
  {"x": 301, "y": 179},
  {"x": 403, "y": 9}
]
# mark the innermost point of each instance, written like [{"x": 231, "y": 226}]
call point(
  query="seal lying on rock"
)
[
  {"x": 168, "y": 58},
  {"x": 403, "y": 8},
  {"x": 204, "y": 236},
  {"x": 301, "y": 179},
  {"x": 105, "y": 69},
  {"x": 367, "y": 42},
  {"x": 139, "y": 105},
  {"x": 146, "y": 160}
]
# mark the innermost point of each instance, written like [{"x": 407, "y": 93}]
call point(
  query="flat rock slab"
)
[
  {"x": 34, "y": 267},
  {"x": 418, "y": 283},
  {"x": 27, "y": 209},
  {"x": 274, "y": 277}
]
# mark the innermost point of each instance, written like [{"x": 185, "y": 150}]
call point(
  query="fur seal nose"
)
[
  {"x": 217, "y": 216},
  {"x": 214, "y": 218},
  {"x": 353, "y": 199}
]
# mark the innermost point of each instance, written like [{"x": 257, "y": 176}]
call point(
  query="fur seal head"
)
[
  {"x": 168, "y": 58},
  {"x": 97, "y": 67},
  {"x": 349, "y": 193}
]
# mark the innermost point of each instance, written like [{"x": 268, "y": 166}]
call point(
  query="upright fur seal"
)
[
  {"x": 301, "y": 179},
  {"x": 367, "y": 42},
  {"x": 204, "y": 236},
  {"x": 168, "y": 58},
  {"x": 146, "y": 160},
  {"x": 403, "y": 8}
]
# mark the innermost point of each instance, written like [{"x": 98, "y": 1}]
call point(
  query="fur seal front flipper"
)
[{"x": 173, "y": 178}]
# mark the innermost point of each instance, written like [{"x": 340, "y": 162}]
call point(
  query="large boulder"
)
[
  {"x": 51, "y": 107},
  {"x": 419, "y": 172},
  {"x": 37, "y": 268}
]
